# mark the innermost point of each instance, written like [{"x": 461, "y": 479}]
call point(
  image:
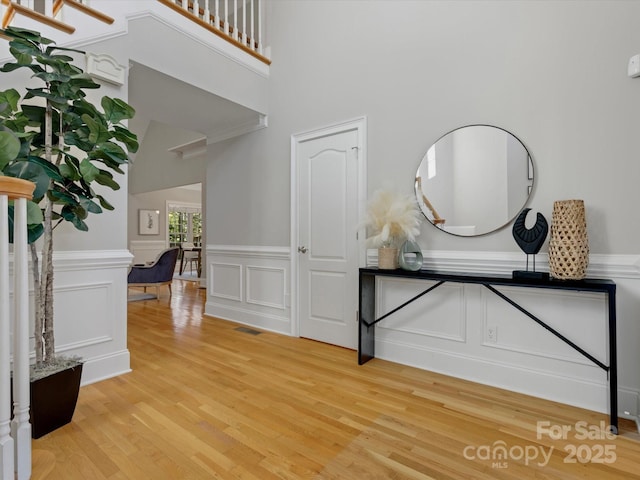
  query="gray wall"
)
[
  {"x": 552, "y": 73},
  {"x": 156, "y": 168}
]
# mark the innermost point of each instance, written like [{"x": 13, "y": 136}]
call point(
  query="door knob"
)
[{"x": 302, "y": 249}]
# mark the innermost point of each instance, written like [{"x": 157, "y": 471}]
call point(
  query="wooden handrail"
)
[
  {"x": 195, "y": 18},
  {"x": 13, "y": 8},
  {"x": 92, "y": 12},
  {"x": 437, "y": 219}
]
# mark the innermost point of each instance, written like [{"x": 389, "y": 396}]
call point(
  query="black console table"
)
[{"x": 367, "y": 293}]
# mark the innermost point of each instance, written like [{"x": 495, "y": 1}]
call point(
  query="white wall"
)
[{"x": 552, "y": 73}]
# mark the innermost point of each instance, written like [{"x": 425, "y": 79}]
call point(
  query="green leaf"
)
[
  {"x": 29, "y": 35},
  {"x": 49, "y": 168},
  {"x": 76, "y": 216},
  {"x": 98, "y": 131},
  {"x": 110, "y": 150},
  {"x": 103, "y": 202},
  {"x": 83, "y": 80},
  {"x": 69, "y": 172},
  {"x": 89, "y": 205},
  {"x": 11, "y": 97},
  {"x": 88, "y": 171},
  {"x": 40, "y": 92},
  {"x": 79, "y": 138},
  {"x": 34, "y": 232},
  {"x": 34, "y": 213},
  {"x": 106, "y": 179},
  {"x": 9, "y": 148},
  {"x": 127, "y": 137},
  {"x": 61, "y": 197},
  {"x": 34, "y": 113},
  {"x": 116, "y": 110}
]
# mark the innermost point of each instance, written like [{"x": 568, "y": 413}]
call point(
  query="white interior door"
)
[{"x": 327, "y": 243}]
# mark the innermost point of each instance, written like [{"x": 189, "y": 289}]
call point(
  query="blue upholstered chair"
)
[{"x": 155, "y": 274}]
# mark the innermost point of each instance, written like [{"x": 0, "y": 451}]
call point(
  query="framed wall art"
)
[{"x": 148, "y": 222}]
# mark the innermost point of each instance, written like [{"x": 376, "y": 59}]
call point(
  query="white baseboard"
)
[
  {"x": 107, "y": 366},
  {"x": 248, "y": 317}
]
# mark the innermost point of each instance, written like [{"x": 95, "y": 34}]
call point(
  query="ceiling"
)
[{"x": 157, "y": 96}]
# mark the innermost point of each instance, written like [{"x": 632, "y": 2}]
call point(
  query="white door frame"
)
[{"x": 360, "y": 125}]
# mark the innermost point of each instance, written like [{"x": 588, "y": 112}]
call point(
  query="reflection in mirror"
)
[{"x": 474, "y": 180}]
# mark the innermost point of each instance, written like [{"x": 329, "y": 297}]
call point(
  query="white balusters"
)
[
  {"x": 207, "y": 12},
  {"x": 48, "y": 8},
  {"x": 240, "y": 22},
  {"x": 244, "y": 23},
  {"x": 235, "y": 20},
  {"x": 260, "y": 10},
  {"x": 6, "y": 441},
  {"x": 15, "y": 450},
  {"x": 226, "y": 17}
]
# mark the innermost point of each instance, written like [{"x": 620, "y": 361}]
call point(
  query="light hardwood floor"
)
[{"x": 205, "y": 401}]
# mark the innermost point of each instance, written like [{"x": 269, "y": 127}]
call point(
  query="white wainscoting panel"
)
[
  {"x": 466, "y": 331},
  {"x": 266, "y": 286},
  {"x": 249, "y": 285},
  {"x": 90, "y": 310},
  {"x": 225, "y": 281},
  {"x": 146, "y": 250}
]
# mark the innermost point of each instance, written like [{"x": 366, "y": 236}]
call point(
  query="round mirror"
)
[{"x": 474, "y": 180}]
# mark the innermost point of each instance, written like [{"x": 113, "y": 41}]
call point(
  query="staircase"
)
[{"x": 237, "y": 22}]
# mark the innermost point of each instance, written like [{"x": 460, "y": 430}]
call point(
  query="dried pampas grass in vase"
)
[{"x": 391, "y": 219}]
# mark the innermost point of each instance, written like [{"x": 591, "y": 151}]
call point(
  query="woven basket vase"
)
[
  {"x": 387, "y": 258},
  {"x": 568, "y": 245}
]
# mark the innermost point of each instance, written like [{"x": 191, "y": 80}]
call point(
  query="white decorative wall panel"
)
[
  {"x": 326, "y": 296},
  {"x": 441, "y": 315},
  {"x": 266, "y": 286},
  {"x": 98, "y": 307},
  {"x": 90, "y": 308},
  {"x": 249, "y": 285},
  {"x": 225, "y": 281},
  {"x": 581, "y": 317}
]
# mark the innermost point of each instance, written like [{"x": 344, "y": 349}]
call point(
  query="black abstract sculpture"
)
[{"x": 530, "y": 240}]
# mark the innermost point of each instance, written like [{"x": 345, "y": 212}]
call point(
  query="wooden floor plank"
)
[{"x": 206, "y": 401}]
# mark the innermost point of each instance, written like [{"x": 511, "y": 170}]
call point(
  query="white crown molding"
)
[
  {"x": 247, "y": 127},
  {"x": 191, "y": 149},
  {"x": 503, "y": 263}
]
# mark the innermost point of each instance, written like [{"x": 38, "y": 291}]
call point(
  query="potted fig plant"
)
[{"x": 66, "y": 145}]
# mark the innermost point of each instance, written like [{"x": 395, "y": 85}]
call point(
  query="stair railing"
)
[
  {"x": 237, "y": 21},
  {"x": 15, "y": 435}
]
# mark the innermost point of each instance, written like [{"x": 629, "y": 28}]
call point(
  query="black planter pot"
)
[{"x": 53, "y": 400}]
